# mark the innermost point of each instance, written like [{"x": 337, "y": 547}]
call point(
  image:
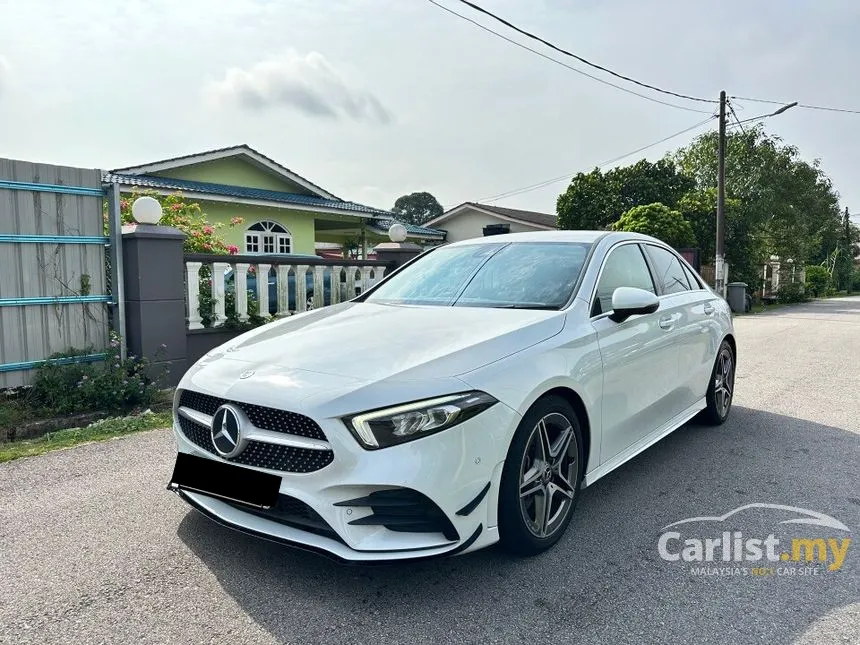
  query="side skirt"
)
[{"x": 645, "y": 443}]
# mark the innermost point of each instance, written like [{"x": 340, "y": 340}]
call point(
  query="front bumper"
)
[{"x": 458, "y": 470}]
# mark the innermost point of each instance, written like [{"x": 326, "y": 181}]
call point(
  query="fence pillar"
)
[
  {"x": 396, "y": 254},
  {"x": 155, "y": 297},
  {"x": 242, "y": 291}
]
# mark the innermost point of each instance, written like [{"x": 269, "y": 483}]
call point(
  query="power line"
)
[
  {"x": 629, "y": 79},
  {"x": 553, "y": 180},
  {"x": 563, "y": 64},
  {"x": 581, "y": 59},
  {"x": 806, "y": 106},
  {"x": 740, "y": 124},
  {"x": 735, "y": 114},
  {"x": 761, "y": 117}
]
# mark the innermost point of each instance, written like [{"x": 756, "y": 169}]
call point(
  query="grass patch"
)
[{"x": 106, "y": 429}]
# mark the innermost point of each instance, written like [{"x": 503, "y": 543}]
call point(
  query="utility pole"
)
[
  {"x": 719, "y": 281},
  {"x": 849, "y": 252}
]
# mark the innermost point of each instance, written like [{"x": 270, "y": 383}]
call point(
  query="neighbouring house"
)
[
  {"x": 283, "y": 212},
  {"x": 470, "y": 220}
]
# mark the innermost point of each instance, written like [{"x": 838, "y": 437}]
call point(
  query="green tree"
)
[
  {"x": 417, "y": 208},
  {"x": 699, "y": 208},
  {"x": 595, "y": 200},
  {"x": 660, "y": 221},
  {"x": 848, "y": 251},
  {"x": 786, "y": 205},
  {"x": 818, "y": 280}
]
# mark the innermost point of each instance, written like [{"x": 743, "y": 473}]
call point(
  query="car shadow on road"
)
[{"x": 603, "y": 582}]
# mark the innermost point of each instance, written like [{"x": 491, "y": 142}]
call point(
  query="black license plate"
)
[{"x": 210, "y": 477}]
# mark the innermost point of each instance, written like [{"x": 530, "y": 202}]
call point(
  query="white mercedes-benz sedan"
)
[{"x": 464, "y": 400}]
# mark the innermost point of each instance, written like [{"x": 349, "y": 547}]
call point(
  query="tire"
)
[
  {"x": 525, "y": 528},
  {"x": 721, "y": 387}
]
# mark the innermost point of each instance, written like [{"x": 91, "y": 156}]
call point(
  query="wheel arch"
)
[
  {"x": 730, "y": 339},
  {"x": 578, "y": 405}
]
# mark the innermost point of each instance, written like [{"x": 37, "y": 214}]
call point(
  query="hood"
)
[{"x": 373, "y": 342}]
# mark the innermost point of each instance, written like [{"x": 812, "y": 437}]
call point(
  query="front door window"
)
[{"x": 625, "y": 267}]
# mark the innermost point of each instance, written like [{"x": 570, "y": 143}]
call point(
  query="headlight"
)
[{"x": 390, "y": 426}]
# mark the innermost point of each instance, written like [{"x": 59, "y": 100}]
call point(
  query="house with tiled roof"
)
[
  {"x": 282, "y": 211},
  {"x": 470, "y": 219}
]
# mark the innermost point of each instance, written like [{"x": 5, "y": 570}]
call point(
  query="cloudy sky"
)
[{"x": 376, "y": 98}]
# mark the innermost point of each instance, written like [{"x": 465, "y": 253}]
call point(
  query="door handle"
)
[
  {"x": 709, "y": 308},
  {"x": 667, "y": 322}
]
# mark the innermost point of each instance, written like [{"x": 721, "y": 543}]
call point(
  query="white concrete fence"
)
[{"x": 326, "y": 282}]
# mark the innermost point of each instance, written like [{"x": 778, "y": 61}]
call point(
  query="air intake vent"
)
[
  {"x": 404, "y": 510},
  {"x": 295, "y": 513}
]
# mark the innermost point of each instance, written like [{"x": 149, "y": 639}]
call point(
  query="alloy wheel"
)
[
  {"x": 724, "y": 381},
  {"x": 548, "y": 475}
]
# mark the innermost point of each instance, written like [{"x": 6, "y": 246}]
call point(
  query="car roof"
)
[{"x": 587, "y": 237}]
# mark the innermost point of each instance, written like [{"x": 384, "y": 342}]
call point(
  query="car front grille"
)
[
  {"x": 259, "y": 454},
  {"x": 262, "y": 417}
]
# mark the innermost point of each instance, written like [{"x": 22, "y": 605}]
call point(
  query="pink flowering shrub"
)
[
  {"x": 188, "y": 217},
  {"x": 201, "y": 237}
]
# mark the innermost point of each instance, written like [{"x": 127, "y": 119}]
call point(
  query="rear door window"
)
[
  {"x": 669, "y": 273},
  {"x": 692, "y": 278}
]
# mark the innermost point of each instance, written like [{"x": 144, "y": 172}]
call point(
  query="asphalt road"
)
[{"x": 94, "y": 550}]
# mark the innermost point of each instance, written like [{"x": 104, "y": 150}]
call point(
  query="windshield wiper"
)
[{"x": 524, "y": 305}]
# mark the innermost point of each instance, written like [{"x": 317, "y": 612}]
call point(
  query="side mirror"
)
[{"x": 630, "y": 301}]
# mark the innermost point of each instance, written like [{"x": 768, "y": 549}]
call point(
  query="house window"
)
[{"x": 269, "y": 238}]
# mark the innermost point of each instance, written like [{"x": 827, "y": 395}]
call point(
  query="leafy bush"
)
[
  {"x": 114, "y": 385},
  {"x": 855, "y": 280},
  {"x": 791, "y": 292},
  {"x": 818, "y": 280},
  {"x": 657, "y": 221}
]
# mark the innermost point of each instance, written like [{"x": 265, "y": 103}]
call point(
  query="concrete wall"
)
[
  {"x": 471, "y": 224},
  {"x": 300, "y": 224}
]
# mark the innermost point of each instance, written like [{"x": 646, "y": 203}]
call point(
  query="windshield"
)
[{"x": 520, "y": 275}]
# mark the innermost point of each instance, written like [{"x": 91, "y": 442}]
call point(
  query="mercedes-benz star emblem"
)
[{"x": 227, "y": 431}]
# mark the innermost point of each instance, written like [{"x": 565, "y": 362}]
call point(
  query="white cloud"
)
[{"x": 306, "y": 83}]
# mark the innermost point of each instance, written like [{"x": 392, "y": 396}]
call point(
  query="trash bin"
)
[{"x": 736, "y": 294}]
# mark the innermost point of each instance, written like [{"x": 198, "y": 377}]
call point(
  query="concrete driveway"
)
[{"x": 94, "y": 550}]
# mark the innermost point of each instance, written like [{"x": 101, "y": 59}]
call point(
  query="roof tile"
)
[
  {"x": 382, "y": 220},
  {"x": 150, "y": 181}
]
